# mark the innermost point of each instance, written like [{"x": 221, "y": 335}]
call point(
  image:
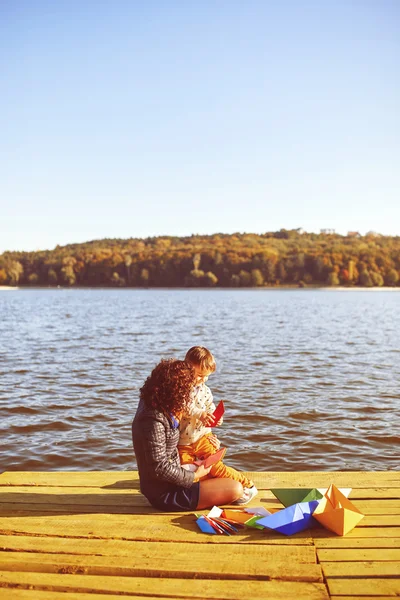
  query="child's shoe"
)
[{"x": 248, "y": 494}]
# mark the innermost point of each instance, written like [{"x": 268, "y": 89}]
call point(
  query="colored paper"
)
[
  {"x": 257, "y": 510},
  {"x": 212, "y": 459},
  {"x": 289, "y": 496},
  {"x": 337, "y": 513},
  {"x": 213, "y": 523},
  {"x": 205, "y": 526},
  {"x": 253, "y": 522},
  {"x": 215, "y": 512},
  {"x": 236, "y": 515},
  {"x": 217, "y": 414},
  {"x": 292, "y": 519},
  {"x": 345, "y": 491}
]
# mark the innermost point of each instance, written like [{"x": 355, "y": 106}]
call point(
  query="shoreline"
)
[{"x": 338, "y": 288}]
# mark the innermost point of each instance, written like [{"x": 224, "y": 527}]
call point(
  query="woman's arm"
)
[{"x": 159, "y": 458}]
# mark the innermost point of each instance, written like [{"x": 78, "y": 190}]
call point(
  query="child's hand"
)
[
  {"x": 218, "y": 423},
  {"x": 201, "y": 472},
  {"x": 214, "y": 441},
  {"x": 207, "y": 418}
]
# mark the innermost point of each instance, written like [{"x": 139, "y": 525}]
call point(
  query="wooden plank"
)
[
  {"x": 153, "y": 550},
  {"x": 26, "y": 511},
  {"x": 164, "y": 527},
  {"x": 20, "y": 594},
  {"x": 357, "y": 554},
  {"x": 174, "y": 588},
  {"x": 385, "y": 516},
  {"x": 22, "y": 509},
  {"x": 195, "y": 563},
  {"x": 363, "y": 586},
  {"x": 358, "y": 532},
  {"x": 68, "y": 495},
  {"x": 375, "y": 493},
  {"x": 116, "y": 479},
  {"x": 361, "y": 569},
  {"x": 380, "y": 521},
  {"x": 265, "y": 480},
  {"x": 72, "y": 496},
  {"x": 357, "y": 597},
  {"x": 378, "y": 507},
  {"x": 298, "y": 479},
  {"x": 351, "y": 542}
]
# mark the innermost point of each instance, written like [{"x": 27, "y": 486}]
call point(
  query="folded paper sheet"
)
[
  {"x": 289, "y": 496},
  {"x": 237, "y": 516},
  {"x": 336, "y": 512},
  {"x": 215, "y": 523},
  {"x": 212, "y": 459},
  {"x": 205, "y": 525},
  {"x": 292, "y": 519},
  {"x": 217, "y": 414}
]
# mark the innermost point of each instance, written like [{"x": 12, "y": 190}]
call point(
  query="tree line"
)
[{"x": 285, "y": 257}]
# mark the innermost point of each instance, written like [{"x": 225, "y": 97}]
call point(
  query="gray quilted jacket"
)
[{"x": 155, "y": 439}]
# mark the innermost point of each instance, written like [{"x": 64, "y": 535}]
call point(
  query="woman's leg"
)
[
  {"x": 218, "y": 491},
  {"x": 219, "y": 470}
]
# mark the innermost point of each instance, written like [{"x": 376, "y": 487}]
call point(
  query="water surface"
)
[{"x": 310, "y": 377}]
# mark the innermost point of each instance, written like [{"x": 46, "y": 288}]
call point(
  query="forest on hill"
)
[{"x": 285, "y": 257}]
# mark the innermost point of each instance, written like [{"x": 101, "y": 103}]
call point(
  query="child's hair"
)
[
  {"x": 201, "y": 357},
  {"x": 168, "y": 387}
]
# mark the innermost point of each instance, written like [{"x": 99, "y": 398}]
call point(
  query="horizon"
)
[
  {"x": 129, "y": 121},
  {"x": 327, "y": 231}
]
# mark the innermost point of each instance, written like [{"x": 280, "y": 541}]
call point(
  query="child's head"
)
[{"x": 202, "y": 361}]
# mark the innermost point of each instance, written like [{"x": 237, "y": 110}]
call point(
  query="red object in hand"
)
[
  {"x": 212, "y": 459},
  {"x": 218, "y": 412}
]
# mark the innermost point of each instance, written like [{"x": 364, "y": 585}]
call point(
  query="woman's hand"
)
[
  {"x": 214, "y": 440},
  {"x": 201, "y": 472},
  {"x": 207, "y": 418}
]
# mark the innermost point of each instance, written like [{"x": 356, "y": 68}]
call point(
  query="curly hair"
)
[{"x": 168, "y": 387}]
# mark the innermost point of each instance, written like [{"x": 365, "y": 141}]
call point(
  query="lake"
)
[{"x": 310, "y": 378}]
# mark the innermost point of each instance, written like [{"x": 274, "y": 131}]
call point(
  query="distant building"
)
[
  {"x": 327, "y": 231},
  {"x": 373, "y": 234},
  {"x": 354, "y": 234},
  {"x": 300, "y": 230}
]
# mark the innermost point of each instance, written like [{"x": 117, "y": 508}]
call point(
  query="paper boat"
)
[
  {"x": 292, "y": 519},
  {"x": 289, "y": 496},
  {"x": 254, "y": 522},
  {"x": 336, "y": 512},
  {"x": 345, "y": 491}
]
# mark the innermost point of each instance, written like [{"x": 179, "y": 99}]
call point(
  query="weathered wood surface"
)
[{"x": 92, "y": 535}]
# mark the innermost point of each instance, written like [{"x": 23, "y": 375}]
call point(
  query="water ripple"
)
[{"x": 310, "y": 381}]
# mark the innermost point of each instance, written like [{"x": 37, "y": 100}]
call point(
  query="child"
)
[{"x": 196, "y": 439}]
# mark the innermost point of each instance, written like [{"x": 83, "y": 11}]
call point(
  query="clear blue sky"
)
[{"x": 134, "y": 119}]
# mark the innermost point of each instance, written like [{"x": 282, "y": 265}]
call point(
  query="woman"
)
[{"x": 155, "y": 433}]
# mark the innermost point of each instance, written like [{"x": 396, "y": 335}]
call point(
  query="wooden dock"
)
[{"x": 93, "y": 536}]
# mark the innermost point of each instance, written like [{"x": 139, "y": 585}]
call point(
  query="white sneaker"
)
[{"x": 249, "y": 494}]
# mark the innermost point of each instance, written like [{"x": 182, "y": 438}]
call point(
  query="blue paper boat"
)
[{"x": 292, "y": 519}]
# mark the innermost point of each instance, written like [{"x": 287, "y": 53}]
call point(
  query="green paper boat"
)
[
  {"x": 289, "y": 496},
  {"x": 252, "y": 522}
]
